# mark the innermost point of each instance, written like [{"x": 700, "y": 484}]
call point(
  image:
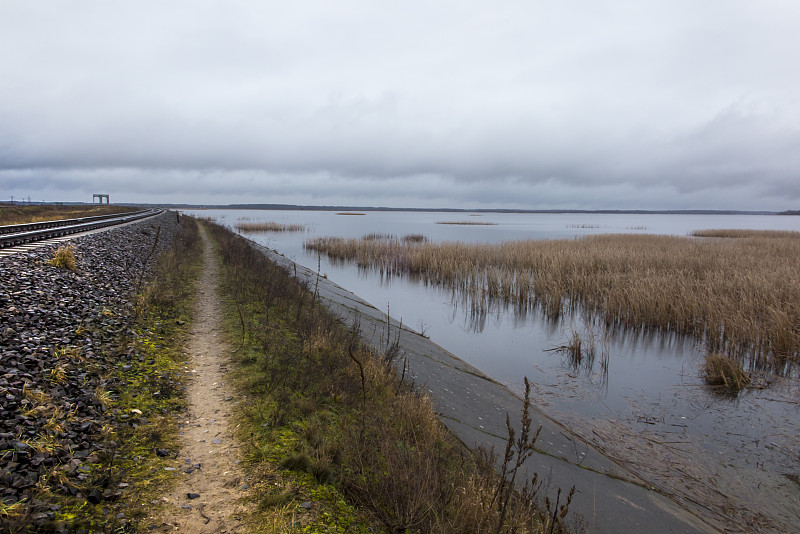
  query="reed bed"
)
[
  {"x": 725, "y": 372},
  {"x": 738, "y": 234},
  {"x": 741, "y": 297},
  {"x": 468, "y": 223},
  {"x": 268, "y": 227},
  {"x": 415, "y": 238},
  {"x": 410, "y": 238}
]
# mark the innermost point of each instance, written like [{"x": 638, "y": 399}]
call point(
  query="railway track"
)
[{"x": 20, "y": 237}]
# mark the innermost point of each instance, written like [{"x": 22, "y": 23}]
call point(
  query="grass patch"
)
[
  {"x": 741, "y": 297},
  {"x": 268, "y": 226},
  {"x": 18, "y": 214},
  {"x": 338, "y": 439},
  {"x": 64, "y": 258}
]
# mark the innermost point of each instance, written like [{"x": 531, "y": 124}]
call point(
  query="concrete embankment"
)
[{"x": 608, "y": 497}]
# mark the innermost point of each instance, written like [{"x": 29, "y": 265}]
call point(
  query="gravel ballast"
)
[{"x": 61, "y": 336}]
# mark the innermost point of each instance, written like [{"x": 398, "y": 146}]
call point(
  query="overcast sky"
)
[{"x": 592, "y": 104}]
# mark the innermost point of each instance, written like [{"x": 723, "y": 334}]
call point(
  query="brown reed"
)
[
  {"x": 414, "y": 238},
  {"x": 268, "y": 226},
  {"x": 742, "y": 296},
  {"x": 468, "y": 223},
  {"x": 725, "y": 372},
  {"x": 738, "y": 234}
]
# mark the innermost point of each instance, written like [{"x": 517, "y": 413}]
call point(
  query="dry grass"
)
[
  {"x": 742, "y": 297},
  {"x": 17, "y": 214},
  {"x": 64, "y": 258},
  {"x": 268, "y": 227}
]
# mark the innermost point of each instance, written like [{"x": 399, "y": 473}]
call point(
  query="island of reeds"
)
[
  {"x": 741, "y": 297},
  {"x": 268, "y": 226},
  {"x": 468, "y": 223}
]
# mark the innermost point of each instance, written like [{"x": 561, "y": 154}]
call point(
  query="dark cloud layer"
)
[{"x": 576, "y": 104}]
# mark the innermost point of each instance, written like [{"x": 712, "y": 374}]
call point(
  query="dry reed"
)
[
  {"x": 742, "y": 297},
  {"x": 414, "y": 238},
  {"x": 468, "y": 223},
  {"x": 725, "y": 372},
  {"x": 738, "y": 234},
  {"x": 268, "y": 226}
]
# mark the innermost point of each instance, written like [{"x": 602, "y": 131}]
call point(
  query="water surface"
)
[{"x": 649, "y": 392}]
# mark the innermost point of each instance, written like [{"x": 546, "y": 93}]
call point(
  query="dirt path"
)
[{"x": 208, "y": 497}]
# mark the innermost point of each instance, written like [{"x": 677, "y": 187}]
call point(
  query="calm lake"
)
[{"x": 648, "y": 407}]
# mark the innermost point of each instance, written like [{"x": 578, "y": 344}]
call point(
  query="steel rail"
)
[
  {"x": 20, "y": 238},
  {"x": 27, "y": 227}
]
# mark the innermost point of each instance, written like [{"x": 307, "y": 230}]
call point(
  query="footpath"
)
[
  {"x": 609, "y": 498},
  {"x": 209, "y": 497}
]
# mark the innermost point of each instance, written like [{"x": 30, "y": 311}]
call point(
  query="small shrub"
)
[
  {"x": 297, "y": 462},
  {"x": 64, "y": 258},
  {"x": 725, "y": 372}
]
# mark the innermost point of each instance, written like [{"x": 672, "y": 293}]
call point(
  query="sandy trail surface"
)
[{"x": 209, "y": 496}]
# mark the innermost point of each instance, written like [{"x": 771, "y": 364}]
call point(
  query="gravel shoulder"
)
[
  {"x": 60, "y": 332},
  {"x": 210, "y": 496}
]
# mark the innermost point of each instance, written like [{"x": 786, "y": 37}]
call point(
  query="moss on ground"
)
[{"x": 144, "y": 395}]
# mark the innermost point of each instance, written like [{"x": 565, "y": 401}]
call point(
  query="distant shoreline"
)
[
  {"x": 294, "y": 207},
  {"x": 291, "y": 207}
]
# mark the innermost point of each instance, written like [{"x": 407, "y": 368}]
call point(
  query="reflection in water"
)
[{"x": 639, "y": 398}]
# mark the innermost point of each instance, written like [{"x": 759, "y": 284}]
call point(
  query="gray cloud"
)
[{"x": 528, "y": 104}]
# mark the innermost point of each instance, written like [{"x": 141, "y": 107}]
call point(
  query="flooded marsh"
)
[
  {"x": 635, "y": 389},
  {"x": 741, "y": 297}
]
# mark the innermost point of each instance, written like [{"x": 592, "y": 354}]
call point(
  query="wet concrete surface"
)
[{"x": 608, "y": 497}]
